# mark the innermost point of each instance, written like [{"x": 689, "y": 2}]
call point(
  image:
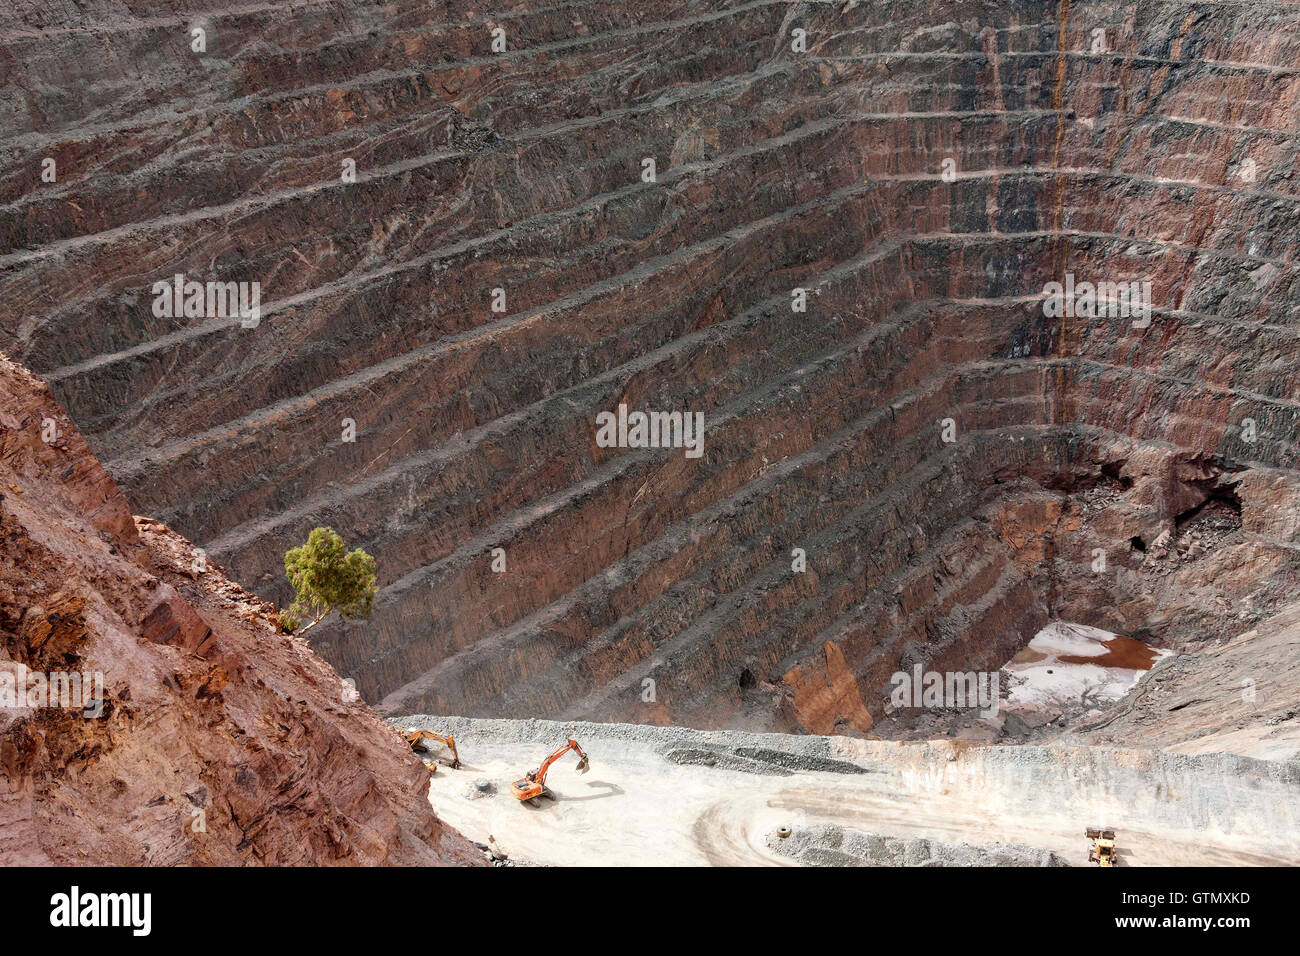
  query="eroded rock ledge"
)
[{"x": 218, "y": 741}]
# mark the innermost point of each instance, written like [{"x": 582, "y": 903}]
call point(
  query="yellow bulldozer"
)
[{"x": 1102, "y": 851}]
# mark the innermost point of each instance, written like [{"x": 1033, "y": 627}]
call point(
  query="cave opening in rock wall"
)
[{"x": 841, "y": 256}]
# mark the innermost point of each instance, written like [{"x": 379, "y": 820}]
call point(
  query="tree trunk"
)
[{"x": 312, "y": 624}]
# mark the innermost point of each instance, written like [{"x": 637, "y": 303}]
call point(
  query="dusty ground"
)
[{"x": 638, "y": 806}]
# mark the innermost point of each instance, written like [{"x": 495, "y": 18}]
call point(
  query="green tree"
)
[{"x": 325, "y": 579}]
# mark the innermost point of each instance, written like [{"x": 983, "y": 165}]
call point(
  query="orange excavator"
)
[
  {"x": 416, "y": 739},
  {"x": 533, "y": 785}
]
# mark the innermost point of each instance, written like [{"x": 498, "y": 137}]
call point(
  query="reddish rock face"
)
[
  {"x": 217, "y": 740},
  {"x": 923, "y": 171}
]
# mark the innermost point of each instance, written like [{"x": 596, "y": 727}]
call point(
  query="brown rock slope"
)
[
  {"x": 217, "y": 740},
  {"x": 1238, "y": 697},
  {"x": 1114, "y": 141}
]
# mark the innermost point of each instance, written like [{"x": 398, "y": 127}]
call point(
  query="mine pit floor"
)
[{"x": 639, "y": 805}]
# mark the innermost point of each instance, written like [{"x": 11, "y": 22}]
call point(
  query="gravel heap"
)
[{"x": 828, "y": 845}]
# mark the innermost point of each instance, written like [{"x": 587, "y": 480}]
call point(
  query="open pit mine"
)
[{"x": 875, "y": 423}]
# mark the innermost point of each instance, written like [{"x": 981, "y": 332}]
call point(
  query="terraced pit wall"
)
[{"x": 922, "y": 170}]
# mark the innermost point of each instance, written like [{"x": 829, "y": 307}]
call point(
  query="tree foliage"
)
[{"x": 325, "y": 580}]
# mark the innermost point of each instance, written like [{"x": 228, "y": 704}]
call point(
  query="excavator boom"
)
[{"x": 583, "y": 763}]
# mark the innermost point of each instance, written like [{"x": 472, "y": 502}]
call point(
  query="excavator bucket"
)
[{"x": 584, "y": 764}]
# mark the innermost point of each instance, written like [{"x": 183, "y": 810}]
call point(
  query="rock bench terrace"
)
[{"x": 953, "y": 462}]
